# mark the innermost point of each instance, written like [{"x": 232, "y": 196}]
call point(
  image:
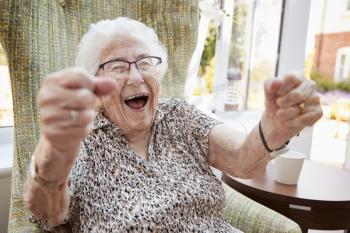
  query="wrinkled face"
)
[{"x": 133, "y": 105}]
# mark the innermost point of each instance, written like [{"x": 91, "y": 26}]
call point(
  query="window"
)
[
  {"x": 6, "y": 113},
  {"x": 251, "y": 49},
  {"x": 342, "y": 68},
  {"x": 254, "y": 47},
  {"x": 328, "y": 64}
]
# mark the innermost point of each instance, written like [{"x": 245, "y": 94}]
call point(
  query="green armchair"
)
[
  {"x": 40, "y": 37},
  {"x": 250, "y": 216}
]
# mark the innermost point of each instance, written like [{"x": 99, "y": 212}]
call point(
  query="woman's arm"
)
[
  {"x": 238, "y": 154},
  {"x": 67, "y": 102},
  {"x": 48, "y": 202},
  {"x": 246, "y": 156}
]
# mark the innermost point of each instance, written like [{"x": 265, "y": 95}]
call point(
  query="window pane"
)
[
  {"x": 342, "y": 66},
  {"x": 254, "y": 47},
  {"x": 327, "y": 64},
  {"x": 6, "y": 113}
]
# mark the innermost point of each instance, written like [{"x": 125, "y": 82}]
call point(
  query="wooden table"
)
[{"x": 321, "y": 200}]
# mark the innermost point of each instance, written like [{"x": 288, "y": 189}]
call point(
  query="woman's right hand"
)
[{"x": 67, "y": 104}]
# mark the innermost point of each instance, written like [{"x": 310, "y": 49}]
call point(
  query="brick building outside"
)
[{"x": 332, "y": 40}]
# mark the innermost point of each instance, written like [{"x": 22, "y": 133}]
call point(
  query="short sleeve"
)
[
  {"x": 195, "y": 124},
  {"x": 195, "y": 121}
]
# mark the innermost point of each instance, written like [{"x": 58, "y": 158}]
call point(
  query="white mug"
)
[{"x": 287, "y": 167}]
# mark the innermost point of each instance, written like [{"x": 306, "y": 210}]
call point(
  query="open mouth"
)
[{"x": 137, "y": 101}]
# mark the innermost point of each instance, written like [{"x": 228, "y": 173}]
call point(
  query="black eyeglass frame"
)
[{"x": 129, "y": 62}]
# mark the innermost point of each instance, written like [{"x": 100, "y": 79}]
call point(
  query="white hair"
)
[{"x": 104, "y": 32}]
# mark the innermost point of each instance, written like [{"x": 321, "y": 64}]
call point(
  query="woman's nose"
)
[{"x": 135, "y": 78}]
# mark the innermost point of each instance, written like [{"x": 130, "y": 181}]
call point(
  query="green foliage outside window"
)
[
  {"x": 237, "y": 51},
  {"x": 209, "y": 50},
  {"x": 325, "y": 83},
  {"x": 343, "y": 85},
  {"x": 236, "y": 54}
]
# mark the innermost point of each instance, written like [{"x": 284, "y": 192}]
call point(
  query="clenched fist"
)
[
  {"x": 67, "y": 104},
  {"x": 291, "y": 103}
]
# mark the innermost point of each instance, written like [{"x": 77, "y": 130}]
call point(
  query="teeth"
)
[{"x": 134, "y": 96}]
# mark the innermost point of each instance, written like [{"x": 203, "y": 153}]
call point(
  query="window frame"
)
[
  {"x": 291, "y": 57},
  {"x": 343, "y": 51}
]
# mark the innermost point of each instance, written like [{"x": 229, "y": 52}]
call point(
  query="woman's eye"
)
[
  {"x": 144, "y": 65},
  {"x": 119, "y": 68}
]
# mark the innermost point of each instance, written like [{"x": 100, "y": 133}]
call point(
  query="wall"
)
[
  {"x": 333, "y": 16},
  {"x": 326, "y": 47}
]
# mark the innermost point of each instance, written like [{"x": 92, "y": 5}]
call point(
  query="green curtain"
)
[{"x": 40, "y": 36}]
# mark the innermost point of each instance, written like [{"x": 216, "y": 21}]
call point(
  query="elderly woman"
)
[{"x": 140, "y": 163}]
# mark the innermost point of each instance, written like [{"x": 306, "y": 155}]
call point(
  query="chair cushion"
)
[{"x": 250, "y": 216}]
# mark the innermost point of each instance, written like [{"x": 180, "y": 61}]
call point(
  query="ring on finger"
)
[
  {"x": 73, "y": 116},
  {"x": 301, "y": 108}
]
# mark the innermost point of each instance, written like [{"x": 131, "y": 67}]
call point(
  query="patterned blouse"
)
[{"x": 114, "y": 190}]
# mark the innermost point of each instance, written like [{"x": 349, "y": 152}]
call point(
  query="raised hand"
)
[
  {"x": 291, "y": 103},
  {"x": 67, "y": 103}
]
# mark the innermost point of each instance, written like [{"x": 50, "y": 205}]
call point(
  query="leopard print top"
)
[{"x": 114, "y": 190}]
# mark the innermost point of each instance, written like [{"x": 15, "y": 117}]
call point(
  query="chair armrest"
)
[{"x": 250, "y": 216}]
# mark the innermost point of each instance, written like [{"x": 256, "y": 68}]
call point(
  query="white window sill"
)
[
  {"x": 346, "y": 14},
  {"x": 6, "y": 151}
]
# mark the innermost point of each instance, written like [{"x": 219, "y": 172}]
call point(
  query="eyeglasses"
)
[{"x": 145, "y": 66}]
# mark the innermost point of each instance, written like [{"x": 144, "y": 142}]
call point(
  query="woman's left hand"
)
[{"x": 291, "y": 103}]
